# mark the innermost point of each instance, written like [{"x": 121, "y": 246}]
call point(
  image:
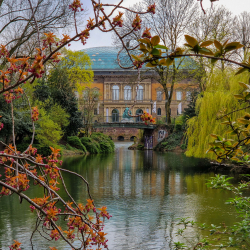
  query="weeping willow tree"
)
[{"x": 219, "y": 95}]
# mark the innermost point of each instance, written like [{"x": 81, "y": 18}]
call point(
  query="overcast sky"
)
[{"x": 97, "y": 38}]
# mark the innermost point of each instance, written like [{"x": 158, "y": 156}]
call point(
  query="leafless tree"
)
[
  {"x": 20, "y": 23},
  {"x": 170, "y": 23}
]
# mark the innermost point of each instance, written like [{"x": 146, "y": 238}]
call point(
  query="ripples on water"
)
[{"x": 145, "y": 192}]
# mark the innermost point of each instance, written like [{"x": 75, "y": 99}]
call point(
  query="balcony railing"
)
[{"x": 115, "y": 119}]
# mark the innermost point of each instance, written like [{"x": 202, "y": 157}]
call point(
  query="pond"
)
[{"x": 144, "y": 191}]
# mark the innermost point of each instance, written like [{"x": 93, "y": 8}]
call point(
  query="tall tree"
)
[{"x": 170, "y": 23}]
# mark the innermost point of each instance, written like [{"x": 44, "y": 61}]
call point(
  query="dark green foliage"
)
[
  {"x": 106, "y": 144},
  {"x": 106, "y": 147},
  {"x": 85, "y": 139},
  {"x": 58, "y": 90},
  {"x": 22, "y": 146},
  {"x": 23, "y": 125},
  {"x": 189, "y": 112},
  {"x": 90, "y": 145},
  {"x": 44, "y": 151},
  {"x": 172, "y": 141},
  {"x": 140, "y": 147},
  {"x": 74, "y": 141},
  {"x": 178, "y": 127}
]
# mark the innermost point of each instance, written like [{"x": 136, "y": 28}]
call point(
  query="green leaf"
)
[
  {"x": 160, "y": 47},
  {"x": 214, "y": 136},
  {"x": 230, "y": 48},
  {"x": 178, "y": 51},
  {"x": 186, "y": 44},
  {"x": 218, "y": 45},
  {"x": 169, "y": 61},
  {"x": 243, "y": 121},
  {"x": 245, "y": 86},
  {"x": 191, "y": 40},
  {"x": 225, "y": 43},
  {"x": 213, "y": 60},
  {"x": 206, "y": 43},
  {"x": 155, "y": 52},
  {"x": 136, "y": 58},
  {"x": 226, "y": 123},
  {"x": 145, "y": 51},
  {"x": 241, "y": 70},
  {"x": 149, "y": 64},
  {"x": 155, "y": 40},
  {"x": 145, "y": 40},
  {"x": 233, "y": 44},
  {"x": 206, "y": 51},
  {"x": 142, "y": 46},
  {"x": 239, "y": 97},
  {"x": 196, "y": 48}
]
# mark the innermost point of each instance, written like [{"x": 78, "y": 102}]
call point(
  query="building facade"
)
[{"x": 118, "y": 89}]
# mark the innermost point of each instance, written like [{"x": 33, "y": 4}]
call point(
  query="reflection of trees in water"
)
[{"x": 145, "y": 191}]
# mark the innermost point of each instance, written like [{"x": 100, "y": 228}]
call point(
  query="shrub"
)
[
  {"x": 74, "y": 141},
  {"x": 112, "y": 144},
  {"x": 22, "y": 146},
  {"x": 140, "y": 147},
  {"x": 183, "y": 146},
  {"x": 106, "y": 147},
  {"x": 85, "y": 139},
  {"x": 90, "y": 145},
  {"x": 105, "y": 144}
]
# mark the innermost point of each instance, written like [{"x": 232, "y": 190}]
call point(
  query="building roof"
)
[{"x": 105, "y": 58}]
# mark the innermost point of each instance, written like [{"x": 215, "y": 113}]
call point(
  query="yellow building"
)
[{"x": 118, "y": 88}]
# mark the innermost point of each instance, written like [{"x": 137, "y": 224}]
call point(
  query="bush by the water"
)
[
  {"x": 105, "y": 143},
  {"x": 91, "y": 145},
  {"x": 75, "y": 142},
  {"x": 140, "y": 147}
]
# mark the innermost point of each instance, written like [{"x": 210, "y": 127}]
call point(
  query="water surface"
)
[{"x": 144, "y": 191}]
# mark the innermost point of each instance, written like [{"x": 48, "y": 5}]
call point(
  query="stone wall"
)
[{"x": 119, "y": 133}]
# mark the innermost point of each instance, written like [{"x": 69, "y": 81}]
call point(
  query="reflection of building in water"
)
[{"x": 175, "y": 184}]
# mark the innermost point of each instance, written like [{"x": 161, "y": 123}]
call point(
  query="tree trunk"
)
[
  {"x": 168, "y": 112},
  {"x": 167, "y": 105}
]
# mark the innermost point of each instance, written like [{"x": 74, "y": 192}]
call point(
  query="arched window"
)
[
  {"x": 159, "y": 111},
  {"x": 115, "y": 115},
  {"x": 139, "y": 93},
  {"x": 127, "y": 93},
  {"x": 138, "y": 112},
  {"x": 115, "y": 92}
]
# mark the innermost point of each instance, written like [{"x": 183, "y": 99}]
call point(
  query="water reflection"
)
[{"x": 145, "y": 192}]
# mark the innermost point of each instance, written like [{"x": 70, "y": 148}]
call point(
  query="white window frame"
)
[
  {"x": 178, "y": 95},
  {"x": 139, "y": 96},
  {"x": 115, "y": 93},
  {"x": 159, "y": 95},
  {"x": 127, "y": 93}
]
